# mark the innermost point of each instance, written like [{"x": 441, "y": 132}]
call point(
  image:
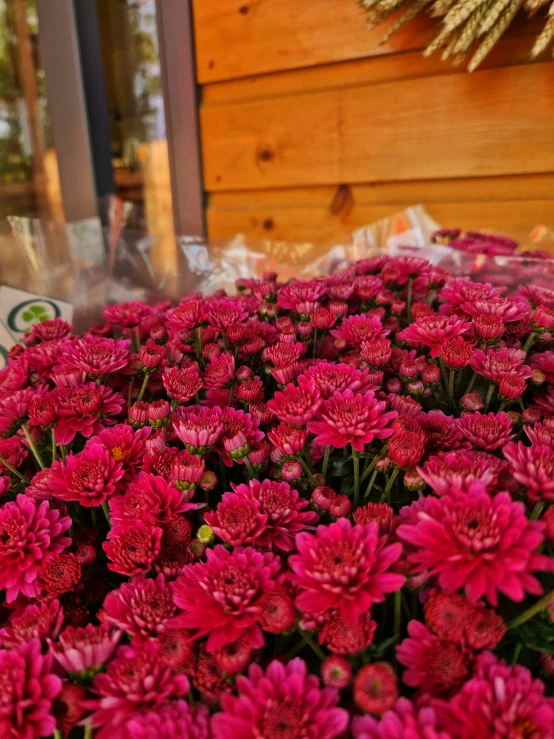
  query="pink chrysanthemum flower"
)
[
  {"x": 125, "y": 446},
  {"x": 342, "y": 637},
  {"x": 434, "y": 665},
  {"x": 344, "y": 567},
  {"x": 544, "y": 362},
  {"x": 285, "y": 700},
  {"x": 279, "y": 511},
  {"x": 287, "y": 440},
  {"x": 219, "y": 372},
  {"x": 532, "y": 466},
  {"x": 223, "y": 313},
  {"x": 505, "y": 308},
  {"x": 237, "y": 519},
  {"x": 485, "y": 545},
  {"x": 86, "y": 410},
  {"x": 30, "y": 533},
  {"x": 181, "y": 384},
  {"x": 490, "y": 431},
  {"x": 36, "y": 622},
  {"x": 84, "y": 651},
  {"x": 296, "y": 405},
  {"x": 217, "y": 596},
  {"x": 200, "y": 430},
  {"x": 239, "y": 432},
  {"x": 43, "y": 357},
  {"x": 358, "y": 328},
  {"x": 460, "y": 290},
  {"x": 90, "y": 477},
  {"x": 5, "y": 485},
  {"x": 127, "y": 315},
  {"x": 151, "y": 498},
  {"x": 301, "y": 297},
  {"x": 135, "y": 682},
  {"x": 13, "y": 451},
  {"x": 494, "y": 365},
  {"x": 499, "y": 702},
  {"x": 433, "y": 331},
  {"x": 188, "y": 315},
  {"x": 15, "y": 376},
  {"x": 27, "y": 691},
  {"x": 329, "y": 378},
  {"x": 48, "y": 330},
  {"x": 403, "y": 721},
  {"x": 95, "y": 355},
  {"x": 174, "y": 720},
  {"x": 541, "y": 433},
  {"x": 142, "y": 607},
  {"x": 449, "y": 471},
  {"x": 351, "y": 418},
  {"x": 133, "y": 548},
  {"x": 14, "y": 409}
]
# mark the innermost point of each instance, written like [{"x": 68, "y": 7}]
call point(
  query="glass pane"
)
[
  {"x": 132, "y": 73},
  {"x": 29, "y": 181}
]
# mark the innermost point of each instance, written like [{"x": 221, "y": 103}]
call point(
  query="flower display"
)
[{"x": 316, "y": 509}]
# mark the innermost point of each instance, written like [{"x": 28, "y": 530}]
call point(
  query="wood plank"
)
[
  {"x": 399, "y": 66},
  {"x": 316, "y": 223},
  {"x": 492, "y": 189},
  {"x": 492, "y": 122},
  {"x": 252, "y": 37},
  {"x": 246, "y": 37}
]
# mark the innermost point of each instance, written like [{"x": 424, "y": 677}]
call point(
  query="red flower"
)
[
  {"x": 434, "y": 331},
  {"x": 376, "y": 688},
  {"x": 90, "y": 477},
  {"x": 284, "y": 701},
  {"x": 336, "y": 672},
  {"x": 35, "y": 622},
  {"x": 181, "y": 384},
  {"x": 532, "y": 466},
  {"x": 275, "y": 611},
  {"x": 127, "y": 315},
  {"x": 351, "y": 418},
  {"x": 457, "y": 470},
  {"x": 344, "y": 567},
  {"x": 27, "y": 691},
  {"x": 135, "y": 682},
  {"x": 456, "y": 353},
  {"x": 359, "y": 328},
  {"x": 494, "y": 365},
  {"x": 490, "y": 431},
  {"x": 141, "y": 607},
  {"x": 60, "y": 574},
  {"x": 31, "y": 532},
  {"x": 217, "y": 596},
  {"x": 132, "y": 549},
  {"x": 289, "y": 441},
  {"x": 296, "y": 405},
  {"x": 342, "y": 637},
  {"x": 85, "y": 409},
  {"x": 406, "y": 448},
  {"x": 485, "y": 545},
  {"x": 95, "y": 355}
]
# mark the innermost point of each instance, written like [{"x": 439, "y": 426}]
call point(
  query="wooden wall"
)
[{"x": 310, "y": 129}]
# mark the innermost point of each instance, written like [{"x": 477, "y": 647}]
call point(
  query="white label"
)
[
  {"x": 20, "y": 310},
  {"x": 6, "y": 343}
]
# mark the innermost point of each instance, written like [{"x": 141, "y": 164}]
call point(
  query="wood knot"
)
[
  {"x": 342, "y": 201},
  {"x": 268, "y": 224},
  {"x": 244, "y": 10},
  {"x": 265, "y": 154}
]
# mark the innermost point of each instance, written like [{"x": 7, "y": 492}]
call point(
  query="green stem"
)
[
  {"x": 12, "y": 469},
  {"x": 143, "y": 387},
  {"x": 515, "y": 655},
  {"x": 94, "y": 514},
  {"x": 31, "y": 443},
  {"x": 537, "y": 510},
  {"x": 130, "y": 396},
  {"x": 397, "y": 613},
  {"x": 501, "y": 407},
  {"x": 356, "y": 463},
  {"x": 296, "y": 649},
  {"x": 529, "y": 342},
  {"x": 443, "y": 374},
  {"x": 57, "y": 734},
  {"x": 373, "y": 462},
  {"x": 192, "y": 702},
  {"x": 326, "y": 460},
  {"x": 531, "y": 612},
  {"x": 315, "y": 344},
  {"x": 469, "y": 388},
  {"x": 305, "y": 468},
  {"x": 409, "y": 300},
  {"x": 308, "y": 639},
  {"x": 232, "y": 394},
  {"x": 490, "y": 392},
  {"x": 451, "y": 379},
  {"x": 431, "y": 297},
  {"x": 63, "y": 450},
  {"x": 371, "y": 483},
  {"x": 106, "y": 512},
  {"x": 54, "y": 454},
  {"x": 386, "y": 492},
  {"x": 249, "y": 467},
  {"x": 88, "y": 731}
]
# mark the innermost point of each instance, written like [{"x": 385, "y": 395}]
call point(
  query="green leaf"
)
[
  {"x": 27, "y": 316},
  {"x": 38, "y": 310},
  {"x": 342, "y": 467},
  {"x": 382, "y": 648}
]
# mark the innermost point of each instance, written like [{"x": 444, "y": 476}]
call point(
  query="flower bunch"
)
[{"x": 315, "y": 509}]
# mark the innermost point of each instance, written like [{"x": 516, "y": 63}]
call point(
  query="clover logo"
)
[{"x": 24, "y": 315}]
